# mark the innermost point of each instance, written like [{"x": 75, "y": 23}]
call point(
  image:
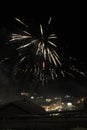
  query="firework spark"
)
[{"x": 21, "y": 22}]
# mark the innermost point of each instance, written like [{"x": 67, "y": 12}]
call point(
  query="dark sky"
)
[{"x": 68, "y": 22}]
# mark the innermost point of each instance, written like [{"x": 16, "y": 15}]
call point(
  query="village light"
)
[{"x": 69, "y": 104}]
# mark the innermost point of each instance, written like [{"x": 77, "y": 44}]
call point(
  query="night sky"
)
[{"x": 69, "y": 24}]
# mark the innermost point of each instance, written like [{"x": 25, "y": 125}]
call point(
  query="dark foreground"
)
[{"x": 64, "y": 121}]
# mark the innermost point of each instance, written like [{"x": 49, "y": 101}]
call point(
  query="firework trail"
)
[
  {"x": 21, "y": 22},
  {"x": 38, "y": 55}
]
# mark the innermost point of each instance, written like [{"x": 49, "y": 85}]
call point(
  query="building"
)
[{"x": 20, "y": 107}]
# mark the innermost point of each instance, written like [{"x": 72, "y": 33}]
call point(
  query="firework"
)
[
  {"x": 44, "y": 52},
  {"x": 38, "y": 55}
]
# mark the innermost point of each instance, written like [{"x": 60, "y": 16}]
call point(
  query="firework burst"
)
[
  {"x": 38, "y": 55},
  {"x": 45, "y": 56}
]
